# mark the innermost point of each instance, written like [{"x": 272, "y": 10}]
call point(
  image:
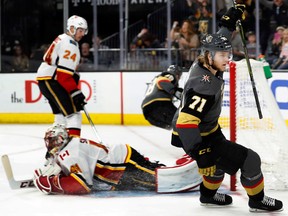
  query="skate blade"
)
[
  {"x": 211, "y": 205},
  {"x": 255, "y": 210}
]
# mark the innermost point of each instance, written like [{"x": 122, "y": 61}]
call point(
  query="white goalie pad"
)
[{"x": 178, "y": 178}]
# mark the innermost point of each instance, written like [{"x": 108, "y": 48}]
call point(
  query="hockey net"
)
[{"x": 267, "y": 136}]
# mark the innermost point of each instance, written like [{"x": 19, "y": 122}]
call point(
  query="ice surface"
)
[{"x": 25, "y": 147}]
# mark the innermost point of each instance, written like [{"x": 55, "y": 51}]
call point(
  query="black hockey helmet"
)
[
  {"x": 215, "y": 42},
  {"x": 175, "y": 70}
]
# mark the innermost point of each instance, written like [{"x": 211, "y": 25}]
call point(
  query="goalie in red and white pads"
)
[{"x": 78, "y": 166}]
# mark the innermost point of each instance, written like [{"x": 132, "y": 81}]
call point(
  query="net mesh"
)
[{"x": 267, "y": 136}]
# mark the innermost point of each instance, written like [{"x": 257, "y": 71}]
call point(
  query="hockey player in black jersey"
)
[
  {"x": 196, "y": 128},
  {"x": 158, "y": 107}
]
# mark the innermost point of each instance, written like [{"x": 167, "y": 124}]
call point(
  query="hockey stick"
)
[
  {"x": 14, "y": 184},
  {"x": 249, "y": 65},
  {"x": 92, "y": 124}
]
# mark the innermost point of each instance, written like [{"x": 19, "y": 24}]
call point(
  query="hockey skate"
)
[
  {"x": 266, "y": 204},
  {"x": 218, "y": 199}
]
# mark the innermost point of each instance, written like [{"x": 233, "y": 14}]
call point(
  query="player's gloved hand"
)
[
  {"x": 47, "y": 184},
  {"x": 178, "y": 93},
  {"x": 208, "y": 171},
  {"x": 234, "y": 14},
  {"x": 203, "y": 155},
  {"x": 78, "y": 99},
  {"x": 42, "y": 183}
]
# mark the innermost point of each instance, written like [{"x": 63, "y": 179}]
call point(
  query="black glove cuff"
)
[{"x": 75, "y": 92}]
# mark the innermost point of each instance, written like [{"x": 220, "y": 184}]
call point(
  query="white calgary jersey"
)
[
  {"x": 81, "y": 155},
  {"x": 63, "y": 53}
]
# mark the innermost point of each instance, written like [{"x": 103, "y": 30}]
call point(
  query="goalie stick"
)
[{"x": 14, "y": 184}]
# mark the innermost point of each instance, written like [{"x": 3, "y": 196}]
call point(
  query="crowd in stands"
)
[{"x": 185, "y": 38}]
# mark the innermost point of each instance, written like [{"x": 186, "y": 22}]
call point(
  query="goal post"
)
[
  {"x": 267, "y": 136},
  {"x": 232, "y": 113}
]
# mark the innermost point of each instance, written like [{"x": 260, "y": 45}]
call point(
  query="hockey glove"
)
[
  {"x": 78, "y": 99},
  {"x": 203, "y": 155},
  {"x": 42, "y": 183},
  {"x": 230, "y": 18},
  {"x": 178, "y": 93},
  {"x": 47, "y": 184}
]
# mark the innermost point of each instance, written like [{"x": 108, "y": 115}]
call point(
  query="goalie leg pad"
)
[{"x": 178, "y": 178}]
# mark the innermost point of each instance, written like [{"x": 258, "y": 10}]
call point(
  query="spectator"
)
[
  {"x": 265, "y": 15},
  {"x": 145, "y": 39},
  {"x": 192, "y": 8},
  {"x": 99, "y": 43},
  {"x": 275, "y": 8},
  {"x": 20, "y": 61},
  {"x": 204, "y": 16},
  {"x": 276, "y": 45},
  {"x": 144, "y": 50},
  {"x": 86, "y": 55},
  {"x": 105, "y": 56},
  {"x": 282, "y": 61},
  {"x": 204, "y": 10},
  {"x": 187, "y": 40},
  {"x": 251, "y": 44},
  {"x": 175, "y": 35},
  {"x": 279, "y": 10},
  {"x": 87, "y": 59},
  {"x": 37, "y": 54},
  {"x": 36, "y": 57},
  {"x": 237, "y": 46}
]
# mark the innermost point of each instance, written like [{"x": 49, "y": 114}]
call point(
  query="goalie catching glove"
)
[
  {"x": 47, "y": 184},
  {"x": 203, "y": 155},
  {"x": 230, "y": 18}
]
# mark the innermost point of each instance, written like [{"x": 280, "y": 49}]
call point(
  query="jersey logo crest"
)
[
  {"x": 206, "y": 78},
  {"x": 73, "y": 42},
  {"x": 64, "y": 154}
]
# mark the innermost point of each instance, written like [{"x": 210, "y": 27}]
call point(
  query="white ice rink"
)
[{"x": 25, "y": 147}]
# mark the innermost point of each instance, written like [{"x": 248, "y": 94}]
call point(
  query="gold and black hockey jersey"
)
[{"x": 200, "y": 107}]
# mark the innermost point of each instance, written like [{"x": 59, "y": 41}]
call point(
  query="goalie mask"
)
[
  {"x": 56, "y": 137},
  {"x": 77, "y": 22}
]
